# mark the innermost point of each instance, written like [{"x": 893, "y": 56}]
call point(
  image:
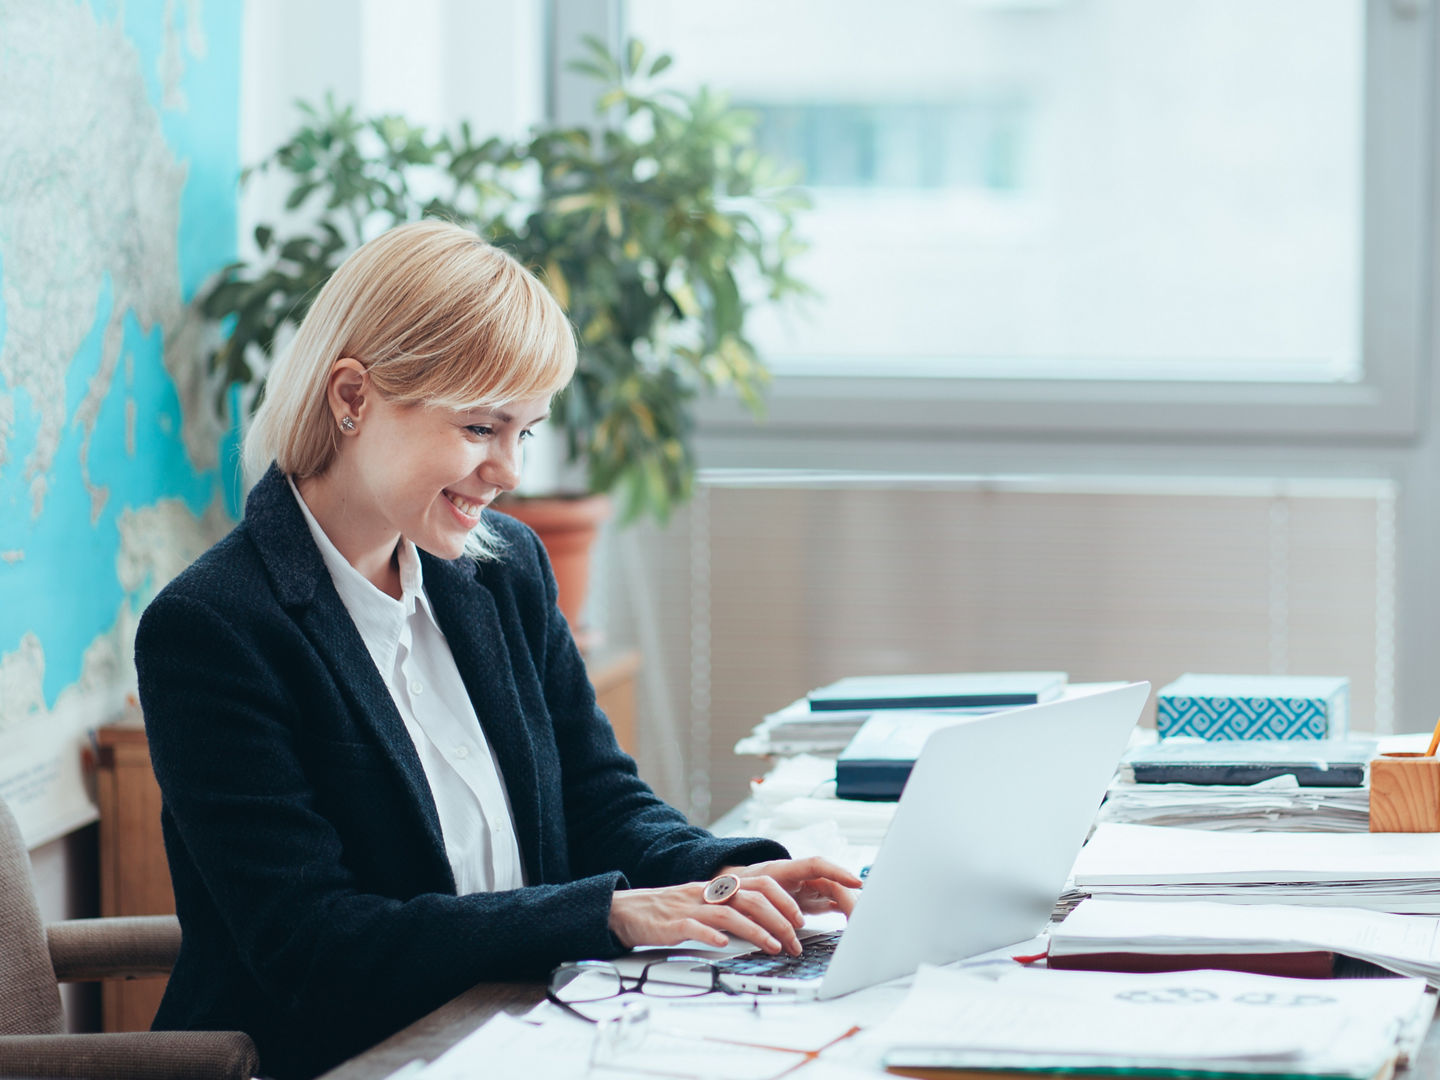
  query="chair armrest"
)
[
  {"x": 134, "y": 1055},
  {"x": 114, "y": 948}
]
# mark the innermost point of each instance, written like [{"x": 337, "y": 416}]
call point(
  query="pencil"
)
[{"x": 1434, "y": 740}]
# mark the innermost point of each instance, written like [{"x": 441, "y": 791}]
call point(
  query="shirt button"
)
[
  {"x": 417, "y": 687},
  {"x": 462, "y": 751}
]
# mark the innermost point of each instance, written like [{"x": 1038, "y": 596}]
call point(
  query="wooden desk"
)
[{"x": 432, "y": 1035}]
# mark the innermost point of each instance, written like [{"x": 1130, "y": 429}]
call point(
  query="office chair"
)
[{"x": 35, "y": 958}]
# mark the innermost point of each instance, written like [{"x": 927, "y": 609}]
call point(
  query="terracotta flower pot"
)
[{"x": 567, "y": 526}]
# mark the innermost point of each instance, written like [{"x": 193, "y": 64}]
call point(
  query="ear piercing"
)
[{"x": 346, "y": 424}]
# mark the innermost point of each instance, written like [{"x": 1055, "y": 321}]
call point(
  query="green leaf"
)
[
  {"x": 263, "y": 235},
  {"x": 663, "y": 62},
  {"x": 300, "y": 193},
  {"x": 297, "y": 250},
  {"x": 601, "y": 53},
  {"x": 587, "y": 67},
  {"x": 634, "y": 54},
  {"x": 727, "y": 303}
]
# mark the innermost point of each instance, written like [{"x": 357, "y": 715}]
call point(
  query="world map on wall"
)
[{"x": 118, "y": 147}]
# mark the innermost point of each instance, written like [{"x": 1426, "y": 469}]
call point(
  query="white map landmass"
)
[
  {"x": 156, "y": 543},
  {"x": 88, "y": 187}
]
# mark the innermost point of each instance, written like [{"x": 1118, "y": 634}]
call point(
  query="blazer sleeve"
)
[
  {"x": 613, "y": 817},
  {"x": 222, "y": 719}
]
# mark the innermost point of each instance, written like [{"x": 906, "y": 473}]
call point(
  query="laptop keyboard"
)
[{"x": 810, "y": 964}]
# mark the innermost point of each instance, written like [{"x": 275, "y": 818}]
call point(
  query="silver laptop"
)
[{"x": 979, "y": 850}]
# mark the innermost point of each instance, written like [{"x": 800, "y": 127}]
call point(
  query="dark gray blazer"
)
[{"x": 317, "y": 904}]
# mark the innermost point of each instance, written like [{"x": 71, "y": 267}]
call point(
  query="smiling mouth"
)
[{"x": 465, "y": 506}]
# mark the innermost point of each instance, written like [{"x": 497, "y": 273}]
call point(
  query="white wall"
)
[{"x": 436, "y": 62}]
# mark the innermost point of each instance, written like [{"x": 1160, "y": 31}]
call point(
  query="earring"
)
[{"x": 346, "y": 424}]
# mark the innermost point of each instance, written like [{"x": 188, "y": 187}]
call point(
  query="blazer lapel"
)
[
  {"x": 303, "y": 585},
  {"x": 466, "y": 612}
]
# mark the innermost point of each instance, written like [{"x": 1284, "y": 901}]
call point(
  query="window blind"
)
[{"x": 768, "y": 585}]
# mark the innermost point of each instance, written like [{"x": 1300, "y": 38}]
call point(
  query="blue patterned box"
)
[{"x": 1254, "y": 707}]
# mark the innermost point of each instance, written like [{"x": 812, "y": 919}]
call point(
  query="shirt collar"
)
[{"x": 379, "y": 617}]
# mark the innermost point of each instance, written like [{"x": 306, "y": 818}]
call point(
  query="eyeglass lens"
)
[
  {"x": 678, "y": 977},
  {"x": 585, "y": 981}
]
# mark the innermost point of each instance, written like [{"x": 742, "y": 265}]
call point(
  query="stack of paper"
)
[
  {"x": 1219, "y": 1023},
  {"x": 1277, "y": 805},
  {"x": 1396, "y": 872},
  {"x": 795, "y": 804},
  {"x": 797, "y": 730},
  {"x": 1313, "y": 762},
  {"x": 1121, "y": 935}
]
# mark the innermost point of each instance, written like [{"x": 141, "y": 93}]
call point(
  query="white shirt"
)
[{"x": 414, "y": 659}]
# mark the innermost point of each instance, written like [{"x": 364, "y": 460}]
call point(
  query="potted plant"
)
[{"x": 654, "y": 230}]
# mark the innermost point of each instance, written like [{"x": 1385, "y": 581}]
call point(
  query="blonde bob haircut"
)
[{"x": 438, "y": 317}]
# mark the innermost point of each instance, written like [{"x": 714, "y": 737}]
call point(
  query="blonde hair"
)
[{"x": 438, "y": 317}]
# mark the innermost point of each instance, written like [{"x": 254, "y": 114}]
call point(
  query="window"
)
[
  {"x": 967, "y": 144},
  {"x": 1161, "y": 191}
]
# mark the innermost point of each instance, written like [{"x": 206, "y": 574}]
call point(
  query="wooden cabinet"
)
[
  {"x": 134, "y": 877},
  {"x": 613, "y": 674}
]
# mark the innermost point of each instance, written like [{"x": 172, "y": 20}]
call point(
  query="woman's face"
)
[{"x": 426, "y": 472}]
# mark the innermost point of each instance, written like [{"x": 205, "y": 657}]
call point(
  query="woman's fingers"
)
[
  {"x": 778, "y": 896},
  {"x": 823, "y": 894},
  {"x": 741, "y": 924},
  {"x": 792, "y": 872},
  {"x": 695, "y": 930},
  {"x": 763, "y": 906}
]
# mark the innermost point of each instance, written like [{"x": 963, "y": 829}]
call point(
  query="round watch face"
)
[{"x": 721, "y": 889}]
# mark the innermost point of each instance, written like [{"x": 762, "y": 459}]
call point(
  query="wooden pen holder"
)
[{"x": 1405, "y": 793}]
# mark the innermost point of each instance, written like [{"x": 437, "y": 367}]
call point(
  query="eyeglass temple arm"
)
[{"x": 550, "y": 997}]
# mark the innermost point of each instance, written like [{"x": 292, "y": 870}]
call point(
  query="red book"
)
[{"x": 1315, "y": 964}]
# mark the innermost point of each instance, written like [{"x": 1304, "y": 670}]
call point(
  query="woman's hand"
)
[
  {"x": 768, "y": 908},
  {"x": 816, "y": 885}
]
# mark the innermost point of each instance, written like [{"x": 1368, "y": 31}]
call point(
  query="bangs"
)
[{"x": 504, "y": 339}]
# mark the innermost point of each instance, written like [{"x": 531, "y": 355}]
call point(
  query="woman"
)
[{"x": 384, "y": 775}]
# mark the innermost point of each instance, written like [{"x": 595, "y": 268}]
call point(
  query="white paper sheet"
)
[
  {"x": 1139, "y": 854},
  {"x": 1221, "y": 1020},
  {"x": 509, "y": 1047}
]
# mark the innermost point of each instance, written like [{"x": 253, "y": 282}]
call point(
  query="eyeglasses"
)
[
  {"x": 629, "y": 1028},
  {"x": 595, "y": 980}
]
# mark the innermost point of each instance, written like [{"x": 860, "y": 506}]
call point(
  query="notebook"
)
[{"x": 975, "y": 857}]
